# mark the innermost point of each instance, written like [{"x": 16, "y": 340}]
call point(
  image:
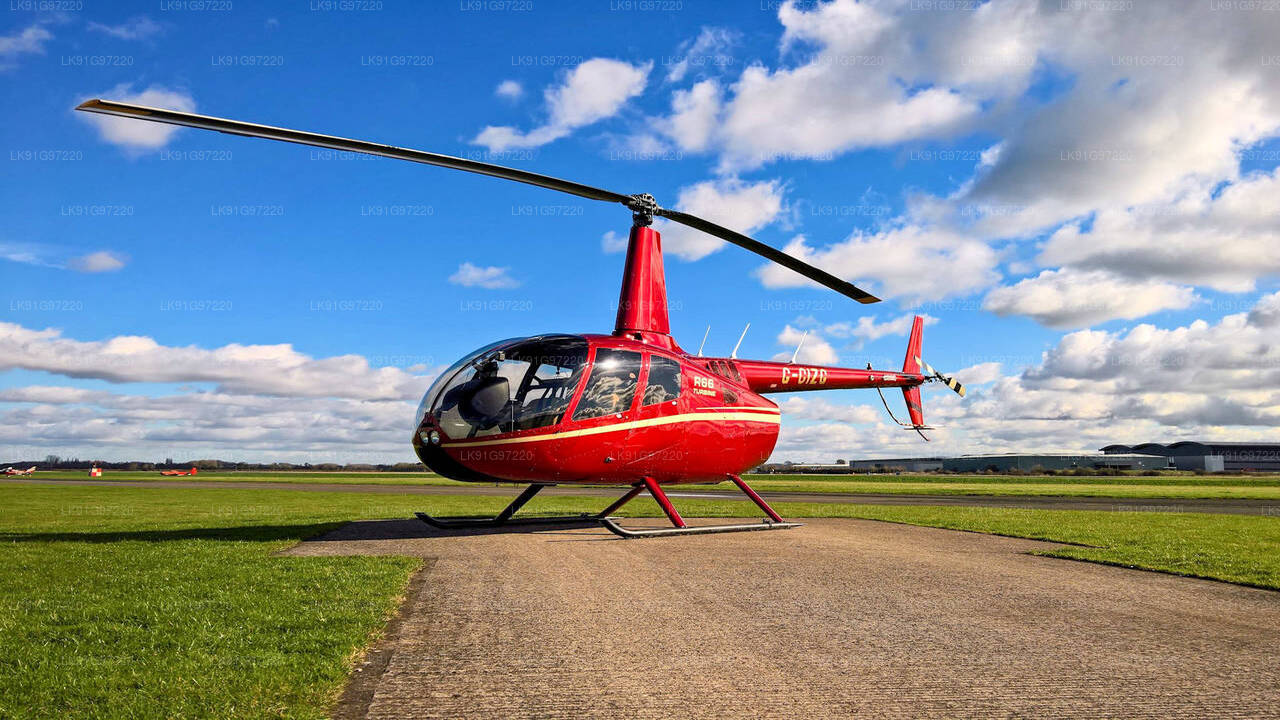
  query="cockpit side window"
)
[
  {"x": 664, "y": 380},
  {"x": 612, "y": 384}
]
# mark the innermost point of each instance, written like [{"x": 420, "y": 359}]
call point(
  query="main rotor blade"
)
[
  {"x": 819, "y": 276},
  {"x": 637, "y": 203},
  {"x": 236, "y": 127}
]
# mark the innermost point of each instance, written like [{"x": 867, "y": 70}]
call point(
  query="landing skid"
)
[
  {"x": 604, "y": 517},
  {"x": 505, "y": 517},
  {"x": 622, "y": 532}
]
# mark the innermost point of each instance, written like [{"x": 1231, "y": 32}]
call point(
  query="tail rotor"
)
[
  {"x": 912, "y": 364},
  {"x": 944, "y": 379}
]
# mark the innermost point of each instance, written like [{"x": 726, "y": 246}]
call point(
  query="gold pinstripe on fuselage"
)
[{"x": 739, "y": 414}]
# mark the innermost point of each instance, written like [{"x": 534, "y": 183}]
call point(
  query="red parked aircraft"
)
[
  {"x": 176, "y": 473},
  {"x": 631, "y": 408}
]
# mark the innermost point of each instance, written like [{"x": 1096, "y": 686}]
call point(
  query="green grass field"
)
[
  {"x": 1173, "y": 486},
  {"x": 166, "y": 602},
  {"x": 1188, "y": 487}
]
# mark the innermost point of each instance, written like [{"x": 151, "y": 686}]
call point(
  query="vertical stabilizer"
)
[
  {"x": 912, "y": 365},
  {"x": 912, "y": 362}
]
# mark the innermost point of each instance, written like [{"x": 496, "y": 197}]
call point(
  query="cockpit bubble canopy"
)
[{"x": 507, "y": 386}]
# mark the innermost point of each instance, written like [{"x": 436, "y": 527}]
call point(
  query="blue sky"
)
[{"x": 1042, "y": 196}]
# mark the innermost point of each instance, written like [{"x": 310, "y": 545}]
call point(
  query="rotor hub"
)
[{"x": 643, "y": 207}]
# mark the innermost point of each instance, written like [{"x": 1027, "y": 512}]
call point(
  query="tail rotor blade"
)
[
  {"x": 954, "y": 385},
  {"x": 948, "y": 381}
]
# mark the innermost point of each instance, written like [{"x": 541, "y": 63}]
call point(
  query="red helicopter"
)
[{"x": 631, "y": 408}]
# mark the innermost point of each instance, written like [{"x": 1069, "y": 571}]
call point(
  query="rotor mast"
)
[{"x": 642, "y": 302}]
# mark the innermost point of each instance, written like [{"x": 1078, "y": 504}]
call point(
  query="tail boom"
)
[{"x": 764, "y": 376}]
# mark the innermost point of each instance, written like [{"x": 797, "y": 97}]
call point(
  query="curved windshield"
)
[
  {"x": 517, "y": 387},
  {"x": 443, "y": 378}
]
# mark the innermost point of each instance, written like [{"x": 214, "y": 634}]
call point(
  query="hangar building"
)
[
  {"x": 1182, "y": 455},
  {"x": 979, "y": 463},
  {"x": 1211, "y": 456}
]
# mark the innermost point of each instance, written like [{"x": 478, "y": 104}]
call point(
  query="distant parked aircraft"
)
[
  {"x": 15, "y": 471},
  {"x": 171, "y": 473}
]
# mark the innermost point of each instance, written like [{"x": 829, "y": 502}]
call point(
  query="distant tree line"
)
[{"x": 54, "y": 462}]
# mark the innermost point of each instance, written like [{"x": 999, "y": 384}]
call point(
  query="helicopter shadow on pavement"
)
[{"x": 374, "y": 531}]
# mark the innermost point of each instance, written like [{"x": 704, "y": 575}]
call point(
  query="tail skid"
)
[{"x": 909, "y": 426}]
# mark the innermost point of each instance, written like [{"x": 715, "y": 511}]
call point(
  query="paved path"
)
[
  {"x": 837, "y": 619},
  {"x": 1232, "y": 506}
]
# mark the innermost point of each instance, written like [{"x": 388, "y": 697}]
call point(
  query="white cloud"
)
[
  {"x": 1207, "y": 381},
  {"x": 695, "y": 114},
  {"x": 814, "y": 351},
  {"x": 27, "y": 254},
  {"x": 854, "y": 90},
  {"x": 868, "y": 330},
  {"x": 1072, "y": 299},
  {"x": 593, "y": 91},
  {"x": 827, "y": 442},
  {"x": 48, "y": 256},
  {"x": 709, "y": 50},
  {"x": 817, "y": 408},
  {"x": 1146, "y": 115},
  {"x": 980, "y": 374},
  {"x": 490, "y": 277},
  {"x": 29, "y": 40},
  {"x": 140, "y": 135},
  {"x": 733, "y": 203},
  {"x": 1266, "y": 313},
  {"x": 509, "y": 89},
  {"x": 1224, "y": 238},
  {"x": 907, "y": 263},
  {"x": 138, "y": 28},
  {"x": 613, "y": 242},
  {"x": 1202, "y": 380},
  {"x": 1129, "y": 154},
  {"x": 97, "y": 262},
  {"x": 1137, "y": 120},
  {"x": 235, "y": 369},
  {"x": 107, "y": 425}
]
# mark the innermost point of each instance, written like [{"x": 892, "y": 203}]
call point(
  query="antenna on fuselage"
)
[
  {"x": 734, "y": 355},
  {"x": 799, "y": 345},
  {"x": 704, "y": 340}
]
